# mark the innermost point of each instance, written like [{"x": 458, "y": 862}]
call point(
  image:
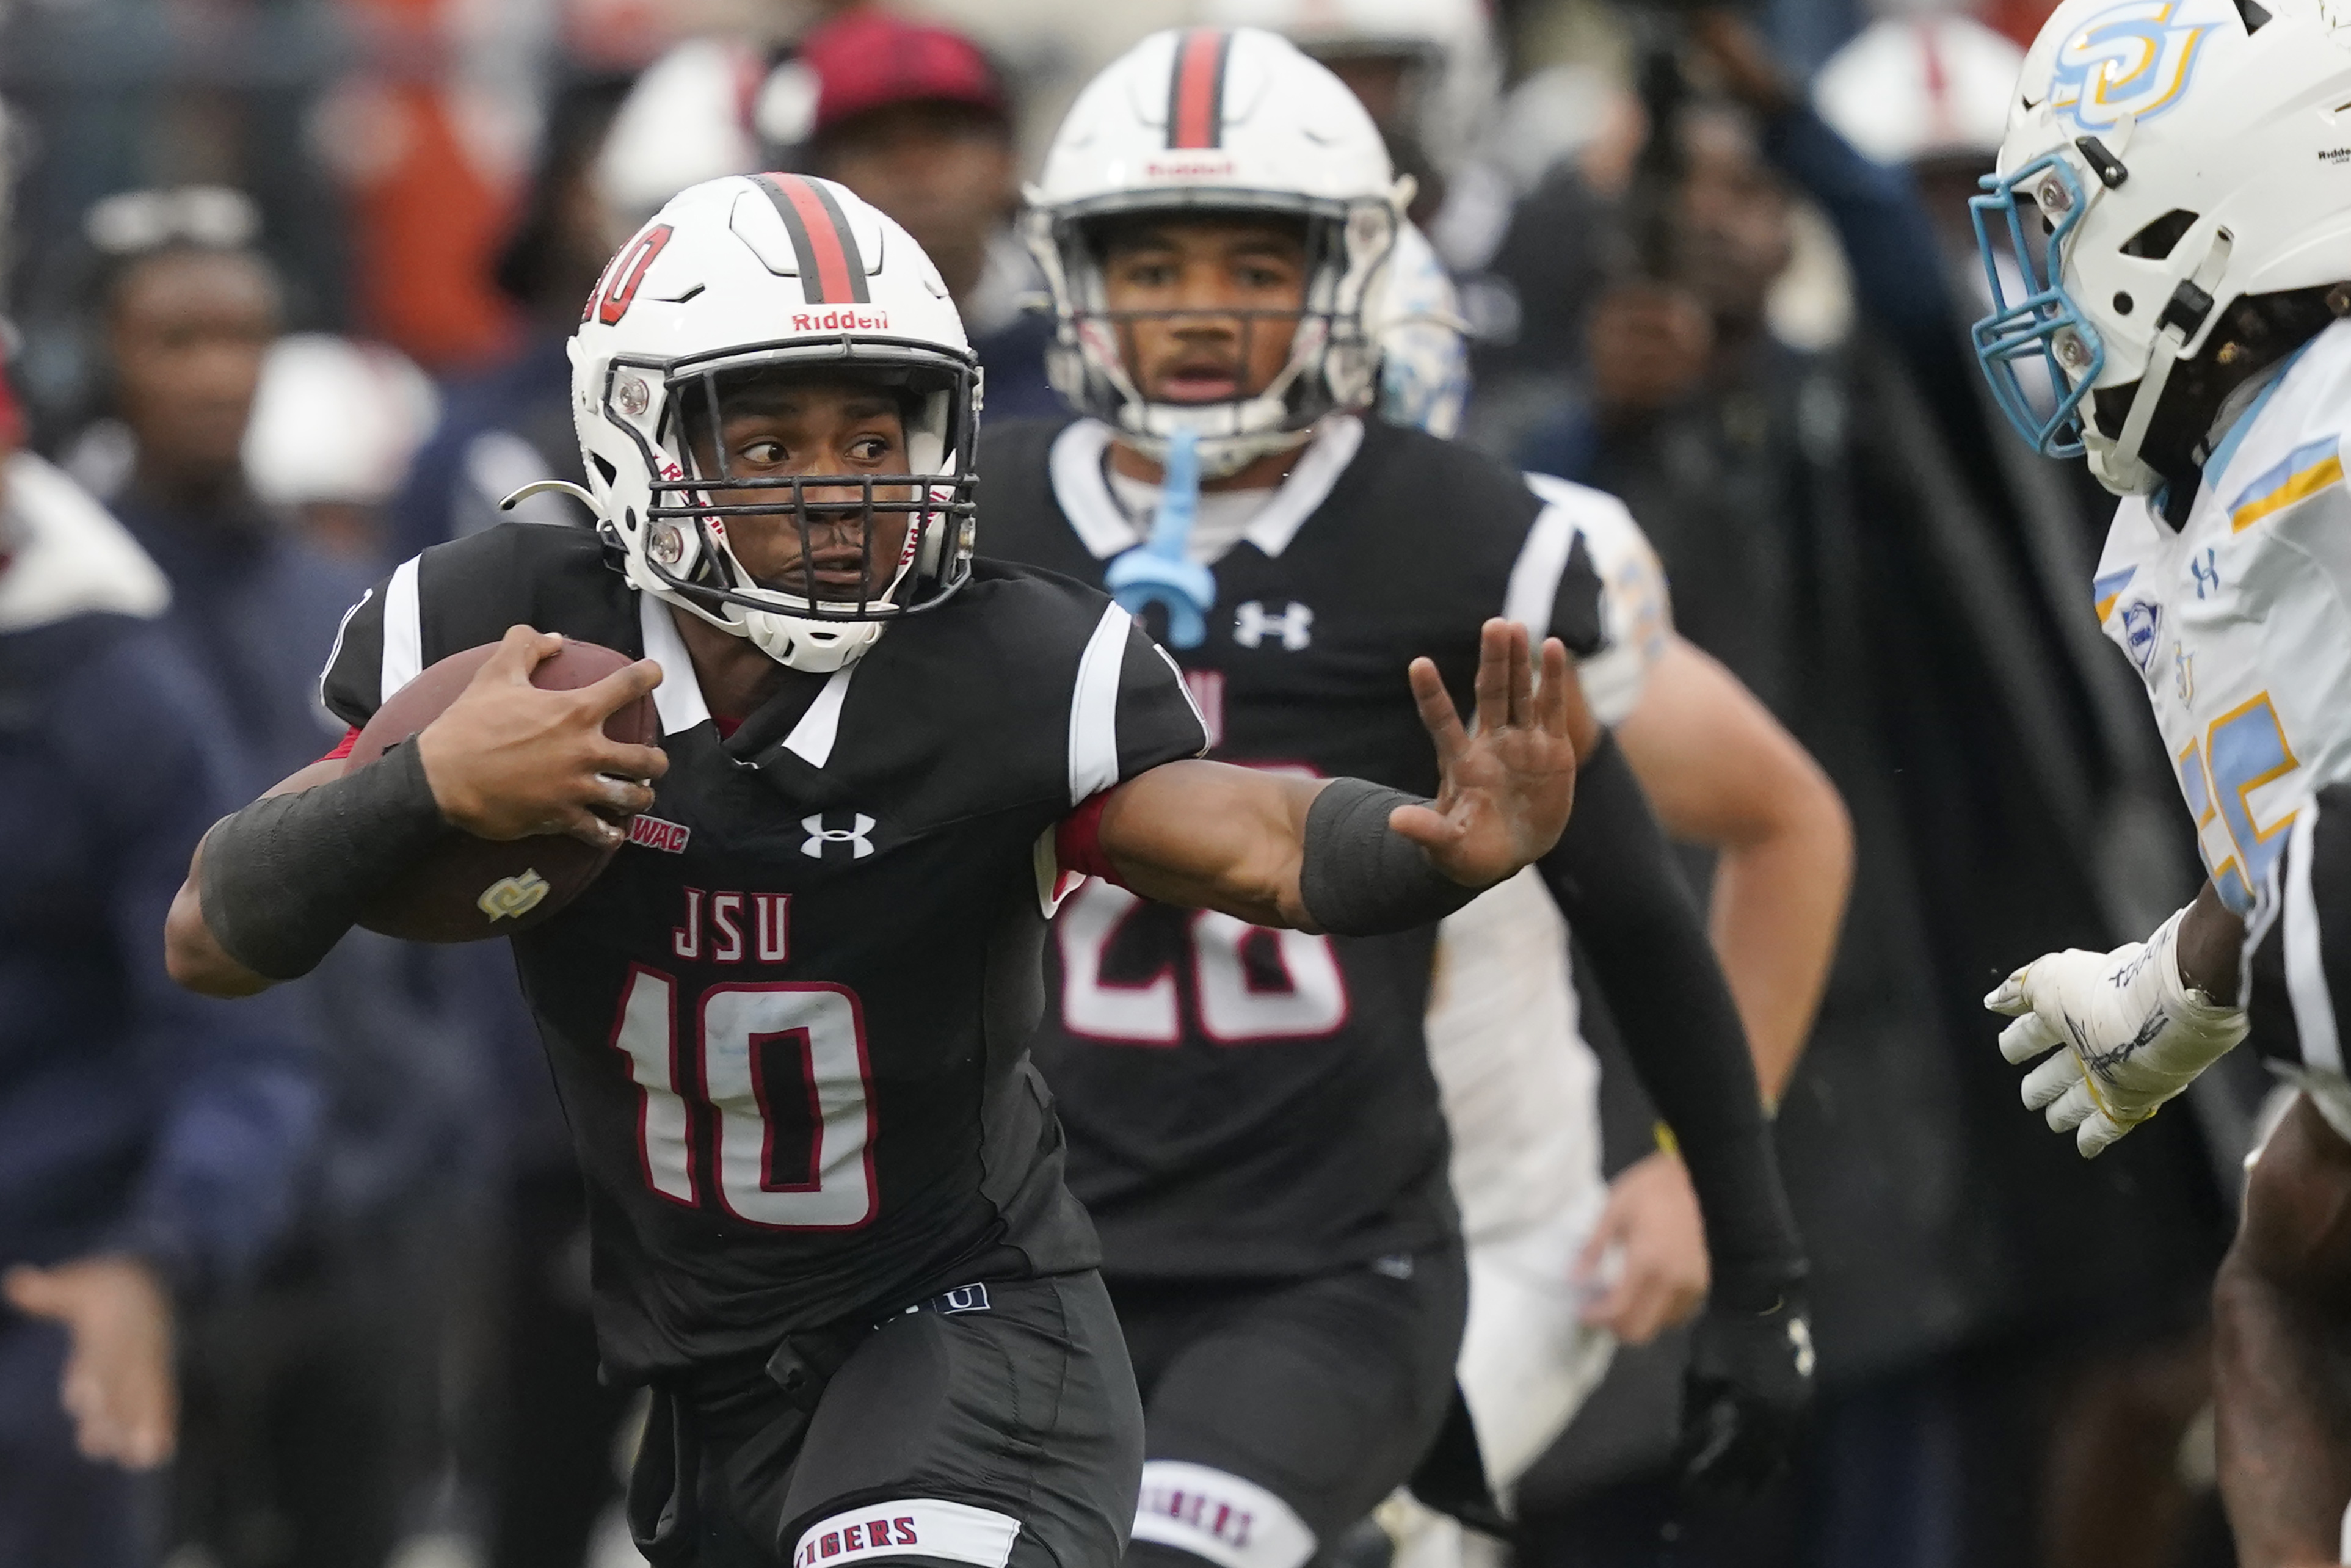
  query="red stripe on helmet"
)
[
  {"x": 1195, "y": 98},
  {"x": 837, "y": 277}
]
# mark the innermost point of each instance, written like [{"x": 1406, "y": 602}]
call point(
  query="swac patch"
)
[
  {"x": 654, "y": 833},
  {"x": 2142, "y": 623},
  {"x": 2135, "y": 58}
]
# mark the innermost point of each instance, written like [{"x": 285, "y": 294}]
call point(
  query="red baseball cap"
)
[{"x": 866, "y": 60}]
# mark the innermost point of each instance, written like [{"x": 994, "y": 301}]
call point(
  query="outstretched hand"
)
[{"x": 1508, "y": 781}]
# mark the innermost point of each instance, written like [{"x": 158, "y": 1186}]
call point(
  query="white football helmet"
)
[
  {"x": 2182, "y": 154},
  {"x": 750, "y": 273},
  {"x": 1204, "y": 120}
]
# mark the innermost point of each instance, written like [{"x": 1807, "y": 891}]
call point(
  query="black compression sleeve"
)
[
  {"x": 1615, "y": 879},
  {"x": 1359, "y": 877},
  {"x": 285, "y": 878}
]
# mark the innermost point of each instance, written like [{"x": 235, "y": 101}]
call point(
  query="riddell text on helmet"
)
[{"x": 840, "y": 321}]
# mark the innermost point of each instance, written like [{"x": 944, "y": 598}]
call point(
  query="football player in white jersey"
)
[
  {"x": 2180, "y": 321},
  {"x": 2185, "y": 282},
  {"x": 1563, "y": 1264}
]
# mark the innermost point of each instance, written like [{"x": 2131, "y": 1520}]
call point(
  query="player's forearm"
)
[
  {"x": 277, "y": 885},
  {"x": 1316, "y": 854},
  {"x": 2211, "y": 946},
  {"x": 193, "y": 956},
  {"x": 1208, "y": 835},
  {"x": 1614, "y": 878},
  {"x": 1778, "y": 906}
]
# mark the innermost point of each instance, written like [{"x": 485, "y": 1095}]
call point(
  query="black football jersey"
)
[
  {"x": 2298, "y": 956},
  {"x": 790, "y": 1021},
  {"x": 1247, "y": 1102}
]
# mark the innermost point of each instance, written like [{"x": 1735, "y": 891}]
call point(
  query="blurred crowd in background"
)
[{"x": 289, "y": 283}]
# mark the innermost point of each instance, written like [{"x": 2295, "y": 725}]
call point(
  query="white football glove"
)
[{"x": 2133, "y": 1035}]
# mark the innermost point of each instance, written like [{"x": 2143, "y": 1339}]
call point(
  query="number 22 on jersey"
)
[{"x": 784, "y": 1102}]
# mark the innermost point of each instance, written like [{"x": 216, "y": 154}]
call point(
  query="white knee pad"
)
[
  {"x": 1227, "y": 1519},
  {"x": 912, "y": 1527}
]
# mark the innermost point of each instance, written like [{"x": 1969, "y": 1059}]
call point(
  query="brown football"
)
[{"x": 470, "y": 888}]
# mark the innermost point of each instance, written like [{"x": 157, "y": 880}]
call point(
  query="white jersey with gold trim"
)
[{"x": 2240, "y": 623}]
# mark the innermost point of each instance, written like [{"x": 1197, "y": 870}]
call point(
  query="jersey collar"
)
[
  {"x": 679, "y": 701},
  {"x": 1082, "y": 489}
]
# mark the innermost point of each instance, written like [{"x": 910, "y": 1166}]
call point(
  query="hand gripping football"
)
[{"x": 470, "y": 888}]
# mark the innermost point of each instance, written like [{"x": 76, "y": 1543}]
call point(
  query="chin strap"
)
[
  {"x": 541, "y": 487},
  {"x": 2184, "y": 316},
  {"x": 1159, "y": 571}
]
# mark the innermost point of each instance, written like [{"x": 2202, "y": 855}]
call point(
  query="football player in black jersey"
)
[
  {"x": 1251, "y": 1115},
  {"x": 2283, "y": 1300},
  {"x": 790, "y": 1021}
]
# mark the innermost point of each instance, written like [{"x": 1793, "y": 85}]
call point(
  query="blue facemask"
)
[{"x": 2042, "y": 333}]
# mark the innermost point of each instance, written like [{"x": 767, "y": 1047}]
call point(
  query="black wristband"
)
[
  {"x": 1357, "y": 877},
  {"x": 285, "y": 878}
]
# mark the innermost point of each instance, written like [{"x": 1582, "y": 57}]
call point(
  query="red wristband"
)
[{"x": 1077, "y": 842}]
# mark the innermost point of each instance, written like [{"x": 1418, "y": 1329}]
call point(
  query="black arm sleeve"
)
[
  {"x": 1615, "y": 880},
  {"x": 282, "y": 880}
]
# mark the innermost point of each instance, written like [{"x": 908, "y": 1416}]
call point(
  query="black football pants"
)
[
  {"x": 996, "y": 1428},
  {"x": 1276, "y": 1414}
]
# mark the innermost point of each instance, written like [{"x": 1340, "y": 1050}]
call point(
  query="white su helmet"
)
[
  {"x": 2182, "y": 154},
  {"x": 747, "y": 274},
  {"x": 1205, "y": 120}
]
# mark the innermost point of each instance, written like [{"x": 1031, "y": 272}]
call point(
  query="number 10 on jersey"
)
[{"x": 784, "y": 1103}]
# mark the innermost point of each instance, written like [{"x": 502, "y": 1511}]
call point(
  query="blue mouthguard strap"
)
[{"x": 1159, "y": 572}]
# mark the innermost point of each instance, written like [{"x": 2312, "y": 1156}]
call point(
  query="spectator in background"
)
[
  {"x": 512, "y": 425},
  {"x": 1835, "y": 530},
  {"x": 911, "y": 115},
  {"x": 150, "y": 1141},
  {"x": 915, "y": 119},
  {"x": 335, "y": 424},
  {"x": 319, "y": 1400}
]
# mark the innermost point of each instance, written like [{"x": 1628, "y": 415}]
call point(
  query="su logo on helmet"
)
[{"x": 2135, "y": 58}]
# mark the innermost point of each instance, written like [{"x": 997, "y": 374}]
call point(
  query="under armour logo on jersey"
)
[
  {"x": 1251, "y": 626},
  {"x": 857, "y": 836},
  {"x": 2206, "y": 569}
]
